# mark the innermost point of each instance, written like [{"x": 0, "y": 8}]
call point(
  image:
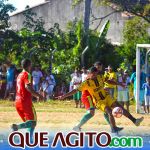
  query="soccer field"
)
[
  {"x": 56, "y": 116},
  {"x": 62, "y": 115}
]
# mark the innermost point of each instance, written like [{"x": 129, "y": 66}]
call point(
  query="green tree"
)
[
  {"x": 135, "y": 32},
  {"x": 139, "y": 8}
]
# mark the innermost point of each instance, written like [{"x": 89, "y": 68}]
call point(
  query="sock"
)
[
  {"x": 106, "y": 118},
  {"x": 85, "y": 118},
  {"x": 132, "y": 118},
  {"x": 27, "y": 124},
  {"x": 31, "y": 131}
]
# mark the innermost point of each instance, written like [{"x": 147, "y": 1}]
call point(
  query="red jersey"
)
[{"x": 22, "y": 94}]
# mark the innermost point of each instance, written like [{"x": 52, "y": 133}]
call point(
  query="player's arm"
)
[
  {"x": 114, "y": 82},
  {"x": 31, "y": 90},
  {"x": 68, "y": 94}
]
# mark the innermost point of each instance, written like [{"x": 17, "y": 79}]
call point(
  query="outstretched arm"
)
[
  {"x": 68, "y": 94},
  {"x": 114, "y": 82}
]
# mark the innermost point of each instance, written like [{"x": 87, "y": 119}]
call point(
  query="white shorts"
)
[
  {"x": 123, "y": 96},
  {"x": 147, "y": 100},
  {"x": 9, "y": 85}
]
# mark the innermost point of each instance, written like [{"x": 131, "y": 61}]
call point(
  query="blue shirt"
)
[
  {"x": 146, "y": 88},
  {"x": 10, "y": 74},
  {"x": 142, "y": 79}
]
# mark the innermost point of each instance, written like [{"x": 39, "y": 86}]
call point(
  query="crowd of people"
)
[
  {"x": 42, "y": 82},
  {"x": 45, "y": 84}
]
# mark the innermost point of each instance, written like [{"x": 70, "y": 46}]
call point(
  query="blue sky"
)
[{"x": 21, "y": 4}]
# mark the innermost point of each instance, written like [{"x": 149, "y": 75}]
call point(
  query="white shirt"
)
[
  {"x": 76, "y": 79},
  {"x": 36, "y": 77},
  {"x": 84, "y": 76}
]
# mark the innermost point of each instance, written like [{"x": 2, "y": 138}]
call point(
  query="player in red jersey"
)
[{"x": 23, "y": 102}]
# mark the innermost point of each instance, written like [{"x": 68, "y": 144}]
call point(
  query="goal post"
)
[{"x": 137, "y": 96}]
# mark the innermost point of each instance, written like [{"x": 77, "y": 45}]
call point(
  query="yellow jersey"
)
[
  {"x": 111, "y": 76},
  {"x": 95, "y": 87}
]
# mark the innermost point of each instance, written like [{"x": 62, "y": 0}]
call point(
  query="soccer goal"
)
[{"x": 138, "y": 51}]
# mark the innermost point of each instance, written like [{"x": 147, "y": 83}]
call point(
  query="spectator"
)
[
  {"x": 123, "y": 94},
  {"x": 10, "y": 77},
  {"x": 51, "y": 84},
  {"x": 146, "y": 87},
  {"x": 72, "y": 75},
  {"x": 76, "y": 80},
  {"x": 2, "y": 80},
  {"x": 142, "y": 81},
  {"x": 36, "y": 75},
  {"x": 84, "y": 74},
  {"x": 111, "y": 75},
  {"x": 44, "y": 88}
]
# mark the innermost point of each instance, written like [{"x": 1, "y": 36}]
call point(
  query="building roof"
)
[{"x": 37, "y": 5}]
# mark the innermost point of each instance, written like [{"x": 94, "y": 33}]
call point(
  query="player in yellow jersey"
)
[{"x": 103, "y": 101}]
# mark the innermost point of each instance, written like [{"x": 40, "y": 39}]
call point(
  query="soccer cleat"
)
[
  {"x": 138, "y": 121},
  {"x": 14, "y": 127},
  {"x": 76, "y": 128},
  {"x": 118, "y": 129}
]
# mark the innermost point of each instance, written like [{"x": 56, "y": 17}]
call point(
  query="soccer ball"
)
[{"x": 117, "y": 112}]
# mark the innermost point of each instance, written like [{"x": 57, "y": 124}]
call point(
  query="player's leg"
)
[
  {"x": 88, "y": 103},
  {"x": 111, "y": 119},
  {"x": 147, "y": 99},
  {"x": 148, "y": 104},
  {"x": 128, "y": 115},
  {"x": 29, "y": 117}
]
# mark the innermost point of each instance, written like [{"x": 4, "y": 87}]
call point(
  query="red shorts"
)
[
  {"x": 26, "y": 112},
  {"x": 87, "y": 100}
]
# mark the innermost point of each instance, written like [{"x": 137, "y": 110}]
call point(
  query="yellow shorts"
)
[{"x": 108, "y": 101}]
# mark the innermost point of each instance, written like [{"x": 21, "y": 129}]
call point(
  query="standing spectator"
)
[
  {"x": 76, "y": 81},
  {"x": 72, "y": 75},
  {"x": 51, "y": 84},
  {"x": 36, "y": 75},
  {"x": 142, "y": 81},
  {"x": 2, "y": 80},
  {"x": 146, "y": 87},
  {"x": 10, "y": 77},
  {"x": 44, "y": 88},
  {"x": 123, "y": 96},
  {"x": 84, "y": 74},
  {"x": 111, "y": 75}
]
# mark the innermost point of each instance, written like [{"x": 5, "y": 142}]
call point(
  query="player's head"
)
[
  {"x": 98, "y": 65},
  {"x": 92, "y": 72},
  {"x": 26, "y": 64}
]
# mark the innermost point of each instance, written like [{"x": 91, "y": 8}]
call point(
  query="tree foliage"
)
[
  {"x": 139, "y": 8},
  {"x": 135, "y": 32}
]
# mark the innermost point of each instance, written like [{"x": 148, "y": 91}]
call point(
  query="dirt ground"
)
[{"x": 56, "y": 115}]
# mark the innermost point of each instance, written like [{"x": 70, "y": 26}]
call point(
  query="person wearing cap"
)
[
  {"x": 111, "y": 75},
  {"x": 101, "y": 98}
]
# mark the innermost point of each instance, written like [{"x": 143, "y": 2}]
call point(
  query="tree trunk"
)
[{"x": 87, "y": 19}]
